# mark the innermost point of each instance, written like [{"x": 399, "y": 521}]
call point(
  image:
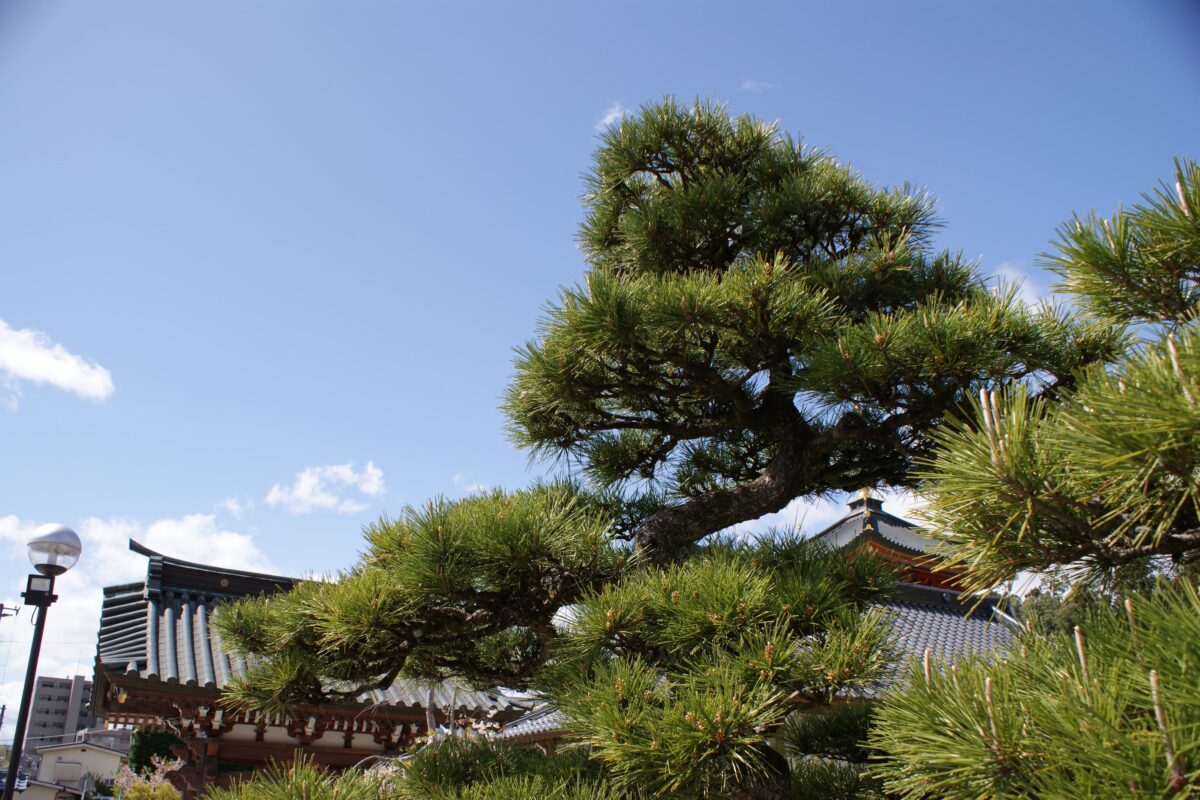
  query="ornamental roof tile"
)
[{"x": 543, "y": 722}]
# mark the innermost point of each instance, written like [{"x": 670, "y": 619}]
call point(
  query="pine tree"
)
[
  {"x": 1102, "y": 485},
  {"x": 1107, "y": 475},
  {"x": 1107, "y": 710},
  {"x": 760, "y": 323},
  {"x": 677, "y": 677},
  {"x": 757, "y": 323}
]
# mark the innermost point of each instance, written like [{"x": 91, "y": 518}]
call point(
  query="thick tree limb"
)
[{"x": 785, "y": 477}]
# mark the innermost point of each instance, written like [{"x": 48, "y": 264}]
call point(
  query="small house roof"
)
[
  {"x": 79, "y": 746},
  {"x": 57, "y": 787}
]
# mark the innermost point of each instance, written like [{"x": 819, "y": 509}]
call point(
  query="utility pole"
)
[{"x": 6, "y": 611}]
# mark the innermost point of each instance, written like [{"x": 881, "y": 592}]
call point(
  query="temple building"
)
[
  {"x": 928, "y": 612},
  {"x": 897, "y": 541},
  {"x": 160, "y": 664}
]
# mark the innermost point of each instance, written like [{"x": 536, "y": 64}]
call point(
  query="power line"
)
[{"x": 54, "y": 641}]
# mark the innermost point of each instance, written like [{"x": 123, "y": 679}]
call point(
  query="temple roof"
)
[
  {"x": 925, "y": 617},
  {"x": 78, "y": 746},
  {"x": 944, "y": 622},
  {"x": 160, "y": 630},
  {"x": 543, "y": 722},
  {"x": 868, "y": 521}
]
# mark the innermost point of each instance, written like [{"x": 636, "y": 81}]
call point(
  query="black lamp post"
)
[{"x": 53, "y": 551}]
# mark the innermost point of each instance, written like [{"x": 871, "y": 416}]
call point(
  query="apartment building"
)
[{"x": 61, "y": 706}]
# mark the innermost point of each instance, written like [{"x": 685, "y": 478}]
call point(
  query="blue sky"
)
[{"x": 263, "y": 264}]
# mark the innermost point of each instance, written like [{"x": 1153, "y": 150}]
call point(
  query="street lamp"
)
[{"x": 53, "y": 551}]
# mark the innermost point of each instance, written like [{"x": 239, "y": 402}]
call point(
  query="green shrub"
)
[
  {"x": 538, "y": 788},
  {"x": 477, "y": 767},
  {"x": 303, "y": 780},
  {"x": 148, "y": 791}
]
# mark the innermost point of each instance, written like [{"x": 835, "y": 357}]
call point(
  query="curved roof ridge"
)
[
  {"x": 141, "y": 549},
  {"x": 837, "y": 523}
]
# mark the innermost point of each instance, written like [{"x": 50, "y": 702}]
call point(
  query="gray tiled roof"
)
[
  {"x": 545, "y": 721},
  {"x": 938, "y": 621},
  {"x": 924, "y": 618},
  {"x": 160, "y": 630}
]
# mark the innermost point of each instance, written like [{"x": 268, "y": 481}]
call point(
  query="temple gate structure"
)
[{"x": 160, "y": 664}]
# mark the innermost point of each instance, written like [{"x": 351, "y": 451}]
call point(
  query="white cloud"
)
[
  {"x": 235, "y": 507},
  {"x": 1014, "y": 273},
  {"x": 16, "y": 532},
  {"x": 320, "y": 488},
  {"x": 758, "y": 87},
  {"x": 611, "y": 115},
  {"x": 71, "y": 624},
  {"x": 465, "y": 483},
  {"x": 809, "y": 516},
  {"x": 108, "y": 560},
  {"x": 29, "y": 355},
  {"x": 197, "y": 537}
]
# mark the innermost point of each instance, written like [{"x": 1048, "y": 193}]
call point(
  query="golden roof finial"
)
[{"x": 865, "y": 494}]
